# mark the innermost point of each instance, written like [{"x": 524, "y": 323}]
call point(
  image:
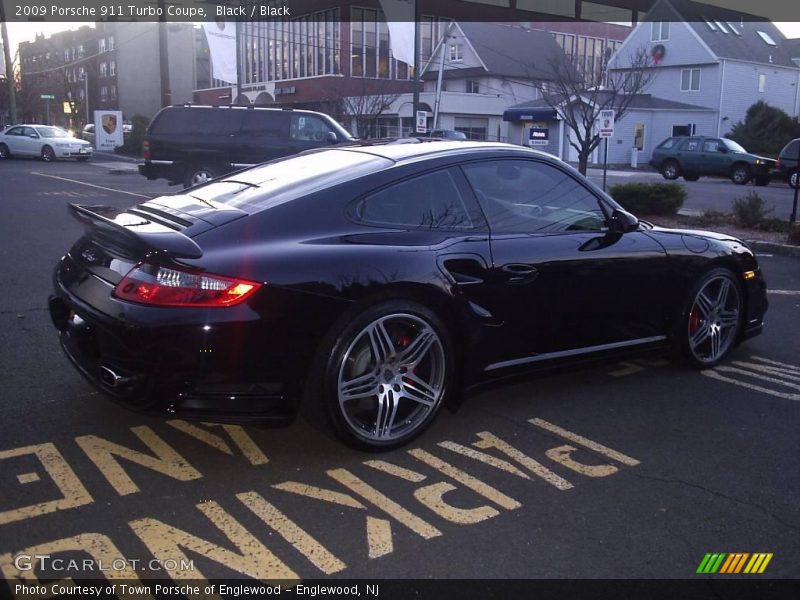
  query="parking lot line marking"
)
[
  {"x": 715, "y": 375},
  {"x": 379, "y": 537},
  {"x": 779, "y": 371},
  {"x": 729, "y": 369},
  {"x": 467, "y": 480},
  {"x": 311, "y": 491},
  {"x": 432, "y": 496},
  {"x": 586, "y": 443},
  {"x": 562, "y": 455},
  {"x": 199, "y": 434},
  {"x": 489, "y": 440},
  {"x": 99, "y": 187},
  {"x": 488, "y": 459},
  {"x": 784, "y": 292},
  {"x": 777, "y": 363},
  {"x": 302, "y": 541},
  {"x": 400, "y": 472}
]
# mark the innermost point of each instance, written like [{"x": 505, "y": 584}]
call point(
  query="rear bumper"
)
[{"x": 169, "y": 170}]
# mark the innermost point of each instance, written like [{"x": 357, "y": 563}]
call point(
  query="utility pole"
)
[
  {"x": 417, "y": 61},
  {"x": 12, "y": 92},
  {"x": 163, "y": 56}
]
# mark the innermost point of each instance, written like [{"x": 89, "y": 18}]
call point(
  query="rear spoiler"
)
[{"x": 133, "y": 233}]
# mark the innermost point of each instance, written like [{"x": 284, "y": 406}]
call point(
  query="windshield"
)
[
  {"x": 733, "y": 146},
  {"x": 51, "y": 132}
]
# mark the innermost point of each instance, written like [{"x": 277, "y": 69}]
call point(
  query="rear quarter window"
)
[
  {"x": 196, "y": 121},
  {"x": 667, "y": 144}
]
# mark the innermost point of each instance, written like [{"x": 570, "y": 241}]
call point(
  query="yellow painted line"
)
[
  {"x": 562, "y": 455},
  {"x": 488, "y": 459},
  {"x": 727, "y": 563},
  {"x": 780, "y": 372},
  {"x": 489, "y": 440},
  {"x": 764, "y": 564},
  {"x": 167, "y": 543},
  {"x": 715, "y": 375},
  {"x": 201, "y": 434},
  {"x": 387, "y": 505},
  {"x": 72, "y": 491},
  {"x": 24, "y": 478},
  {"x": 91, "y": 185},
  {"x": 246, "y": 444},
  {"x": 303, "y": 542},
  {"x": 167, "y": 460},
  {"x": 776, "y": 363},
  {"x": 466, "y": 479},
  {"x": 432, "y": 496},
  {"x": 402, "y": 473},
  {"x": 586, "y": 443},
  {"x": 379, "y": 537},
  {"x": 310, "y": 491}
]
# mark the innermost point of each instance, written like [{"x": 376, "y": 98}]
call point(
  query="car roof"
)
[{"x": 411, "y": 148}]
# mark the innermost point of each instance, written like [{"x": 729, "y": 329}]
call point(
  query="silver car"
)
[{"x": 45, "y": 141}]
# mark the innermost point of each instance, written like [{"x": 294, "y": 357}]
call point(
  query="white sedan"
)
[{"x": 44, "y": 141}]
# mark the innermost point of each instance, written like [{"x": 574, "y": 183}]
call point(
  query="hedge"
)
[{"x": 649, "y": 198}]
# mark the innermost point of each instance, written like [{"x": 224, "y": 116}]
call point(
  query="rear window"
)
[
  {"x": 791, "y": 149},
  {"x": 668, "y": 143},
  {"x": 197, "y": 121},
  {"x": 286, "y": 179}
]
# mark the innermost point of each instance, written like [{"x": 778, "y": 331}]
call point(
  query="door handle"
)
[{"x": 519, "y": 272}]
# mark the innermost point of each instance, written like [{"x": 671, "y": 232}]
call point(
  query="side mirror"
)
[
  {"x": 623, "y": 222},
  {"x": 331, "y": 138},
  {"x": 33, "y": 135}
]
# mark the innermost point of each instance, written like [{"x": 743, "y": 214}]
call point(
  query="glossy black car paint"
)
[{"x": 586, "y": 290}]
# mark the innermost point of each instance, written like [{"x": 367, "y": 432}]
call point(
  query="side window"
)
[
  {"x": 711, "y": 146},
  {"x": 29, "y": 131},
  {"x": 212, "y": 121},
  {"x": 525, "y": 196},
  {"x": 265, "y": 124},
  {"x": 14, "y": 131},
  {"x": 173, "y": 121},
  {"x": 691, "y": 145},
  {"x": 308, "y": 128},
  {"x": 668, "y": 143},
  {"x": 431, "y": 201}
]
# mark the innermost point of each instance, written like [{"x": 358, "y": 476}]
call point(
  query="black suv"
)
[
  {"x": 788, "y": 162},
  {"x": 191, "y": 144}
]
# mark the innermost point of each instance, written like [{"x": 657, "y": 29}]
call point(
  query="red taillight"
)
[
  {"x": 146, "y": 150},
  {"x": 161, "y": 286}
]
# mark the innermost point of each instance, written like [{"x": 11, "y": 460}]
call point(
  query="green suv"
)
[{"x": 696, "y": 156}]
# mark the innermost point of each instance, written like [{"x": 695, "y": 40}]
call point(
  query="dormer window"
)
[
  {"x": 733, "y": 29},
  {"x": 766, "y": 38},
  {"x": 711, "y": 25},
  {"x": 721, "y": 26}
]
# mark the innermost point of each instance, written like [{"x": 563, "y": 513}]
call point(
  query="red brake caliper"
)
[{"x": 694, "y": 320}]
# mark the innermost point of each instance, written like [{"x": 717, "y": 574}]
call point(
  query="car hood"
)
[
  {"x": 68, "y": 140},
  {"x": 713, "y": 235}
]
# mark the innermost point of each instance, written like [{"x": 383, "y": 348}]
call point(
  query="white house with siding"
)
[{"x": 710, "y": 57}]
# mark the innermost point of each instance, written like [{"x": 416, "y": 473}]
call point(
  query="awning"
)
[{"x": 519, "y": 113}]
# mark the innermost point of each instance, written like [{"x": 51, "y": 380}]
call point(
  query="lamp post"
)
[{"x": 86, "y": 94}]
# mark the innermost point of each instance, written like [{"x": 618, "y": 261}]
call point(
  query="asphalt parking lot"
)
[{"x": 633, "y": 468}]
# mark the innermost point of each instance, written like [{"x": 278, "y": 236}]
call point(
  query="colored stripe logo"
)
[{"x": 734, "y": 563}]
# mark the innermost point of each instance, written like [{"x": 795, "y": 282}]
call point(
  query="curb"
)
[
  {"x": 115, "y": 156},
  {"x": 774, "y": 248}
]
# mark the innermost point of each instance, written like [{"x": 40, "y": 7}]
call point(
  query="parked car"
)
[
  {"x": 694, "y": 157},
  {"x": 445, "y": 134},
  {"x": 44, "y": 141},
  {"x": 191, "y": 144},
  {"x": 787, "y": 165},
  {"x": 88, "y": 132},
  {"x": 377, "y": 280}
]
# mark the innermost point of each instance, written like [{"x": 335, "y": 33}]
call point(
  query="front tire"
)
[
  {"x": 48, "y": 155},
  {"x": 794, "y": 180},
  {"x": 4, "y": 151},
  {"x": 387, "y": 375},
  {"x": 691, "y": 177},
  {"x": 740, "y": 174},
  {"x": 710, "y": 322},
  {"x": 670, "y": 170}
]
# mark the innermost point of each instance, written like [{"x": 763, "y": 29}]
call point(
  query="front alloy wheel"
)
[
  {"x": 670, "y": 170},
  {"x": 47, "y": 154},
  {"x": 740, "y": 175},
  {"x": 391, "y": 379},
  {"x": 714, "y": 319}
]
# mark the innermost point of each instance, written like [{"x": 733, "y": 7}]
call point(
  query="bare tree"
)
[
  {"x": 580, "y": 89},
  {"x": 364, "y": 101}
]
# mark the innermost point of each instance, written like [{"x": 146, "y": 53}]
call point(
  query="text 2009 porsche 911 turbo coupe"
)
[{"x": 379, "y": 280}]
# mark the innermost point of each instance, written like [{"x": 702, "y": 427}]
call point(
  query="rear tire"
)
[
  {"x": 740, "y": 174},
  {"x": 4, "y": 151},
  {"x": 670, "y": 170},
  {"x": 48, "y": 155},
  {"x": 197, "y": 175},
  {"x": 710, "y": 323},
  {"x": 383, "y": 375}
]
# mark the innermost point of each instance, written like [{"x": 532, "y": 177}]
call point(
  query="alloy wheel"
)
[
  {"x": 714, "y": 319},
  {"x": 670, "y": 170},
  {"x": 740, "y": 175},
  {"x": 47, "y": 154},
  {"x": 3, "y": 151},
  {"x": 392, "y": 378}
]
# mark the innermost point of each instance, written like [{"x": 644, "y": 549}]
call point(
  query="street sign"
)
[
  {"x": 539, "y": 136},
  {"x": 606, "y": 123},
  {"x": 47, "y": 97},
  {"x": 422, "y": 121}
]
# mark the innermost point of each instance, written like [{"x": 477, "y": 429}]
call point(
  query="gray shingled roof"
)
[
  {"x": 508, "y": 51},
  {"x": 748, "y": 46},
  {"x": 639, "y": 101}
]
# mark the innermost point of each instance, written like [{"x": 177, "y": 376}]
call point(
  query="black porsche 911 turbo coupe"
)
[{"x": 378, "y": 280}]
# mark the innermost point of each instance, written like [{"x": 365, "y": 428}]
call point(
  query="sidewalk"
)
[
  {"x": 594, "y": 172},
  {"x": 102, "y": 154}
]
